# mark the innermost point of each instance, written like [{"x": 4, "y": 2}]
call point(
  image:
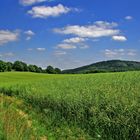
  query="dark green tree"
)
[
  {"x": 25, "y": 67},
  {"x": 50, "y": 70},
  {"x": 18, "y": 66},
  {"x": 21, "y": 66},
  {"x": 3, "y": 66},
  {"x": 36, "y": 68},
  {"x": 9, "y": 66},
  {"x": 57, "y": 71},
  {"x": 39, "y": 70},
  {"x": 31, "y": 68}
]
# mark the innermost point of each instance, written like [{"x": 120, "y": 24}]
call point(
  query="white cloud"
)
[
  {"x": 128, "y": 17},
  {"x": 84, "y": 46},
  {"x": 28, "y": 38},
  {"x": 9, "y": 54},
  {"x": 74, "y": 40},
  {"x": 96, "y": 30},
  {"x": 7, "y": 36},
  {"x": 66, "y": 46},
  {"x": 48, "y": 11},
  {"x": 41, "y": 49},
  {"x": 37, "y": 49},
  {"x": 119, "y": 52},
  {"x": 131, "y": 52},
  {"x": 5, "y": 55},
  {"x": 58, "y": 53},
  {"x": 115, "y": 52},
  {"x": 29, "y": 34},
  {"x": 30, "y": 2},
  {"x": 119, "y": 38}
]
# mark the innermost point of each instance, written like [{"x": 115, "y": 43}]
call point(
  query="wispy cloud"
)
[
  {"x": 48, "y": 11},
  {"x": 6, "y": 55},
  {"x": 128, "y": 17},
  {"x": 96, "y": 30},
  {"x": 7, "y": 36},
  {"x": 30, "y": 49},
  {"x": 66, "y": 46},
  {"x": 73, "y": 43},
  {"x": 116, "y": 53},
  {"x": 37, "y": 49},
  {"x": 119, "y": 38},
  {"x": 29, "y": 34},
  {"x": 41, "y": 49},
  {"x": 74, "y": 40},
  {"x": 59, "y": 53},
  {"x": 83, "y": 46},
  {"x": 30, "y": 2}
]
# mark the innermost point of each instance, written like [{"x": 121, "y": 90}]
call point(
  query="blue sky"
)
[{"x": 69, "y": 33}]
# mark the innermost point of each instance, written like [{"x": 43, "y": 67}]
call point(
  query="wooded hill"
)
[{"x": 106, "y": 66}]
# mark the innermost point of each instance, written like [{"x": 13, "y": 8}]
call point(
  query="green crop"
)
[{"x": 82, "y": 107}]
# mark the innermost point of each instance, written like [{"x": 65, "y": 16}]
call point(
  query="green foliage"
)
[
  {"x": 3, "y": 66},
  {"x": 23, "y": 67},
  {"x": 32, "y": 68},
  {"x": 20, "y": 66},
  {"x": 9, "y": 66},
  {"x": 57, "y": 71},
  {"x": 100, "y": 106},
  {"x": 50, "y": 70}
]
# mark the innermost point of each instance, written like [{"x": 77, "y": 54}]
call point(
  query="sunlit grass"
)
[{"x": 98, "y": 106}]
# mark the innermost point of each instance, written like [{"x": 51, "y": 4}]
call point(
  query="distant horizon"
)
[
  {"x": 75, "y": 67},
  {"x": 69, "y": 34}
]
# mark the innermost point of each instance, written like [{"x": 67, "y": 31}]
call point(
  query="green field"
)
[{"x": 70, "y": 107}]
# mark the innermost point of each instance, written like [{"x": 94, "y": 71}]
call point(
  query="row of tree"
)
[{"x": 21, "y": 66}]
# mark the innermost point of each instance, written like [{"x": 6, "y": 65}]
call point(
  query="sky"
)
[{"x": 69, "y": 33}]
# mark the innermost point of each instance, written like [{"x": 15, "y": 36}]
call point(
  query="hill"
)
[{"x": 107, "y": 66}]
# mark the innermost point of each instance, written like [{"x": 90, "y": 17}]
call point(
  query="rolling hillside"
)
[{"x": 107, "y": 66}]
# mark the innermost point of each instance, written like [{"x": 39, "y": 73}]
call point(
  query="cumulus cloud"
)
[
  {"x": 30, "y": 2},
  {"x": 7, "y": 36},
  {"x": 48, "y": 11},
  {"x": 74, "y": 40},
  {"x": 128, "y": 17},
  {"x": 66, "y": 46},
  {"x": 41, "y": 49},
  {"x": 119, "y": 52},
  {"x": 29, "y": 34},
  {"x": 119, "y": 38},
  {"x": 96, "y": 30}
]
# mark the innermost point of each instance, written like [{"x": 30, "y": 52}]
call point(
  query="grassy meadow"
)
[{"x": 70, "y": 107}]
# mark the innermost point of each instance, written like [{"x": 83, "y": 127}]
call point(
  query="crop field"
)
[{"x": 70, "y": 107}]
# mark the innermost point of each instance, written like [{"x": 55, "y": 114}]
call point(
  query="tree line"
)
[{"x": 23, "y": 67}]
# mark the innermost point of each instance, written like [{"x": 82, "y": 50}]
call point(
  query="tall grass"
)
[{"x": 100, "y": 106}]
